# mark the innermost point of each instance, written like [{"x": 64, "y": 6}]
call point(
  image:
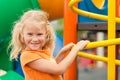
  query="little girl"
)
[{"x": 34, "y": 37}]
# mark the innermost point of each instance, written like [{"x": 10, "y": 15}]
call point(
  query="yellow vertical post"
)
[{"x": 111, "y": 35}]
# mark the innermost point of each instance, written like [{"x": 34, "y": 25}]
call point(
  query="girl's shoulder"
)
[{"x": 45, "y": 54}]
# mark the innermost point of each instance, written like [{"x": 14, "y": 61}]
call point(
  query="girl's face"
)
[{"x": 34, "y": 37}]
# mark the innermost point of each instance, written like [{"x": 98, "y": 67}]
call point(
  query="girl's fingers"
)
[{"x": 81, "y": 44}]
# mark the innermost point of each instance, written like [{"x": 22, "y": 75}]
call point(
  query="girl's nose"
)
[{"x": 34, "y": 39}]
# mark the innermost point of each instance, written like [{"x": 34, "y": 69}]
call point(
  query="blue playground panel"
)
[
  {"x": 58, "y": 44},
  {"x": 87, "y": 5}
]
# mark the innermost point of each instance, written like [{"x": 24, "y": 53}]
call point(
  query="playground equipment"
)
[
  {"x": 11, "y": 75},
  {"x": 88, "y": 14},
  {"x": 94, "y": 6},
  {"x": 53, "y": 7},
  {"x": 111, "y": 60},
  {"x": 10, "y": 13}
]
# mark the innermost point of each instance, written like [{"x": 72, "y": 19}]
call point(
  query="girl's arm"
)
[
  {"x": 62, "y": 52},
  {"x": 58, "y": 68}
]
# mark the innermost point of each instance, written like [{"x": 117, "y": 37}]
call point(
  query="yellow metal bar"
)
[
  {"x": 111, "y": 35},
  {"x": 86, "y": 13},
  {"x": 103, "y": 43},
  {"x": 95, "y": 57}
]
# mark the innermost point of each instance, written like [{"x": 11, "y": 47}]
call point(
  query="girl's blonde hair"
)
[{"x": 17, "y": 44}]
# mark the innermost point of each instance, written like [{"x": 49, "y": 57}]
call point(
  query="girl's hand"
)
[
  {"x": 68, "y": 47},
  {"x": 81, "y": 44}
]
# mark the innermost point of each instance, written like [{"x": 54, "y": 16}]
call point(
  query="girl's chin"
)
[{"x": 35, "y": 48}]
